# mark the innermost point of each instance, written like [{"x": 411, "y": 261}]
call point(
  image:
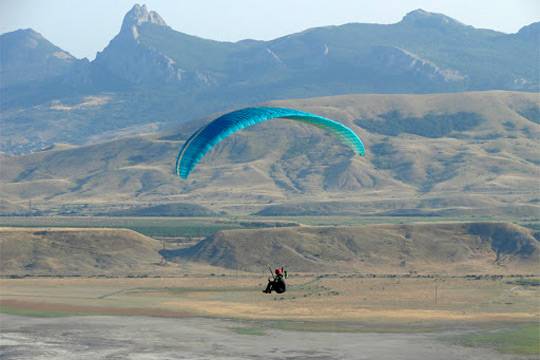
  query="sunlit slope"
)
[
  {"x": 452, "y": 152},
  {"x": 462, "y": 248},
  {"x": 434, "y": 248},
  {"x": 75, "y": 251}
]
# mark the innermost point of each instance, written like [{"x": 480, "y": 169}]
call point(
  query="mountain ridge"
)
[{"x": 155, "y": 76}]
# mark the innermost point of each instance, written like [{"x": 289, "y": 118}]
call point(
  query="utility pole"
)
[{"x": 163, "y": 260}]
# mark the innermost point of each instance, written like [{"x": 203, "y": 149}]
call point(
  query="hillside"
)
[
  {"x": 90, "y": 251},
  {"x": 458, "y": 248},
  {"x": 466, "y": 153},
  {"x": 151, "y": 76},
  {"x": 434, "y": 248}
]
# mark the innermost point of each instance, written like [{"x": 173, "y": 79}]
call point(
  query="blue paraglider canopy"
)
[{"x": 204, "y": 139}]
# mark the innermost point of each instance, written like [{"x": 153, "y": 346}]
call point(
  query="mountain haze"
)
[
  {"x": 27, "y": 56},
  {"x": 151, "y": 76}
]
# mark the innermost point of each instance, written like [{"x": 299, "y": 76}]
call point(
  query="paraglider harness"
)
[{"x": 277, "y": 282}]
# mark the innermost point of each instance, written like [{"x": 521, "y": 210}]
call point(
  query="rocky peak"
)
[
  {"x": 22, "y": 38},
  {"x": 24, "y": 33},
  {"x": 29, "y": 43},
  {"x": 26, "y": 56},
  {"x": 138, "y": 15},
  {"x": 136, "y": 62},
  {"x": 424, "y": 18}
]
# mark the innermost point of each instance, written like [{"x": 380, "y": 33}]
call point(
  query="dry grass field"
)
[{"x": 400, "y": 302}]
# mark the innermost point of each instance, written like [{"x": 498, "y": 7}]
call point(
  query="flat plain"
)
[
  {"x": 105, "y": 337},
  {"x": 226, "y": 316},
  {"x": 398, "y": 301}
]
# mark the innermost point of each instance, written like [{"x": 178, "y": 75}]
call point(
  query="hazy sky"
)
[{"x": 85, "y": 27}]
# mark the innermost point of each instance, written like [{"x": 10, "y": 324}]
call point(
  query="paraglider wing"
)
[{"x": 204, "y": 139}]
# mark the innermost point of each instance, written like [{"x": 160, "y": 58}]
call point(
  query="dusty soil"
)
[
  {"x": 401, "y": 301},
  {"x": 227, "y": 317},
  {"x": 103, "y": 337}
]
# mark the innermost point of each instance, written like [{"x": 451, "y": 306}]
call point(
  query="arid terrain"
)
[
  {"x": 104, "y": 337},
  {"x": 379, "y": 302},
  {"x": 435, "y": 154},
  {"x": 429, "y": 290},
  {"x": 447, "y": 248},
  {"x": 425, "y": 247},
  {"x": 428, "y": 244},
  {"x": 385, "y": 317}
]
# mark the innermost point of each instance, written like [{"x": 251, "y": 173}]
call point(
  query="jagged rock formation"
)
[{"x": 126, "y": 57}]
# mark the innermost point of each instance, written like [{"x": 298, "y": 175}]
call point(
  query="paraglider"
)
[
  {"x": 277, "y": 281},
  {"x": 208, "y": 136}
]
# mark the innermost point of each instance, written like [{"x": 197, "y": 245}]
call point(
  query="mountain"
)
[
  {"x": 530, "y": 32},
  {"x": 472, "y": 153},
  {"x": 34, "y": 70},
  {"x": 130, "y": 59},
  {"x": 26, "y": 56},
  {"x": 153, "y": 77},
  {"x": 425, "y": 52},
  {"x": 492, "y": 248}
]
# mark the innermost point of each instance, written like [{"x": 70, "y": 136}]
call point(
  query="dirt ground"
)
[
  {"x": 144, "y": 338},
  {"x": 399, "y": 301},
  {"x": 228, "y": 317}
]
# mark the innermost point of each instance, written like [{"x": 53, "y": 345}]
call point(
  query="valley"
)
[{"x": 427, "y": 247}]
